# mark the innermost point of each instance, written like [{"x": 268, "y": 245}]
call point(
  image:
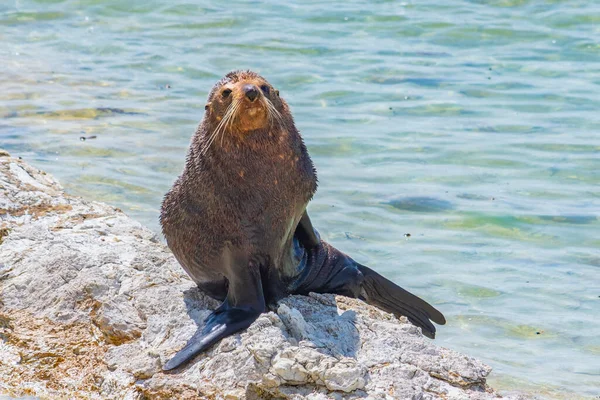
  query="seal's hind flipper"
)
[
  {"x": 388, "y": 296},
  {"x": 325, "y": 269},
  {"x": 305, "y": 232},
  {"x": 221, "y": 323}
]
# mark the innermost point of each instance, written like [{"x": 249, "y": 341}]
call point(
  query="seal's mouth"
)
[
  {"x": 252, "y": 111},
  {"x": 249, "y": 110},
  {"x": 250, "y": 117}
]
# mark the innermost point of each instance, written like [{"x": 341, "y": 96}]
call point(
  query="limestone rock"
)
[{"x": 92, "y": 304}]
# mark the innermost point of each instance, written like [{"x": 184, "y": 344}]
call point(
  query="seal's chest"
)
[
  {"x": 273, "y": 182},
  {"x": 280, "y": 171}
]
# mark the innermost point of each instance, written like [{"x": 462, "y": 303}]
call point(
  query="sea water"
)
[{"x": 457, "y": 143}]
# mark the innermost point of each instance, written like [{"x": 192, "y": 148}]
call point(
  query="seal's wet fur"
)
[{"x": 236, "y": 218}]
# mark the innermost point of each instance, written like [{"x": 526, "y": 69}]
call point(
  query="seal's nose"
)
[{"x": 251, "y": 92}]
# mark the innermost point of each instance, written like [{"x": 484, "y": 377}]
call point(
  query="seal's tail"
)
[{"x": 385, "y": 294}]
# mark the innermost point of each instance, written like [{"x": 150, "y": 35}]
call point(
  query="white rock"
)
[{"x": 92, "y": 305}]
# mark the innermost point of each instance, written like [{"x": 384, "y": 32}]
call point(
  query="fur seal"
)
[{"x": 236, "y": 219}]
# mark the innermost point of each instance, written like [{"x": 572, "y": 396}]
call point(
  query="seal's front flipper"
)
[
  {"x": 385, "y": 294},
  {"x": 244, "y": 303},
  {"x": 221, "y": 323}
]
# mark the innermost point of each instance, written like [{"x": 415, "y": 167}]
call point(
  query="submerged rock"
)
[
  {"x": 421, "y": 204},
  {"x": 92, "y": 304}
]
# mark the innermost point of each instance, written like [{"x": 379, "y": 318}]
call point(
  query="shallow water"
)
[{"x": 472, "y": 126}]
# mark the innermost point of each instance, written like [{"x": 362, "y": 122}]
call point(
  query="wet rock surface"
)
[{"x": 92, "y": 304}]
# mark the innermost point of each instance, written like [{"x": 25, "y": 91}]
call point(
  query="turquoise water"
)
[{"x": 472, "y": 126}]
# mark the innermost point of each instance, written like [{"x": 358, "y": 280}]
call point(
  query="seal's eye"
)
[
  {"x": 277, "y": 92},
  {"x": 265, "y": 89},
  {"x": 226, "y": 93}
]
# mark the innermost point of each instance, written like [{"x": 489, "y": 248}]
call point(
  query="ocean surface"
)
[{"x": 457, "y": 143}]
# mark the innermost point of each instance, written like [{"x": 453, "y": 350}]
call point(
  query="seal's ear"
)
[
  {"x": 207, "y": 106},
  {"x": 277, "y": 93}
]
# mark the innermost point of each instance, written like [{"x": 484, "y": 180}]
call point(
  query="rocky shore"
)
[{"x": 92, "y": 304}]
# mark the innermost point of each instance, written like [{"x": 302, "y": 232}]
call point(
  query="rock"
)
[{"x": 92, "y": 304}]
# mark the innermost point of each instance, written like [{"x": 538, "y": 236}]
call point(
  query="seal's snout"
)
[{"x": 251, "y": 92}]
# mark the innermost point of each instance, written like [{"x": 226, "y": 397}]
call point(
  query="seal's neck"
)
[{"x": 275, "y": 141}]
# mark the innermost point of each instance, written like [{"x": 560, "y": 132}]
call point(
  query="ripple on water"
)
[{"x": 472, "y": 126}]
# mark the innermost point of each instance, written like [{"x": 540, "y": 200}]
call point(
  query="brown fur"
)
[
  {"x": 246, "y": 189},
  {"x": 236, "y": 219}
]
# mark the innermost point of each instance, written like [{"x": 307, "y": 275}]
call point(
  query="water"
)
[{"x": 472, "y": 126}]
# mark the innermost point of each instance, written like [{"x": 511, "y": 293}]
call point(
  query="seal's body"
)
[{"x": 236, "y": 218}]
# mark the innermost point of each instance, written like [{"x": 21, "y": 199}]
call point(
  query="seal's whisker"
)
[
  {"x": 266, "y": 103},
  {"x": 230, "y": 117},
  {"x": 211, "y": 139},
  {"x": 208, "y": 143},
  {"x": 213, "y": 135},
  {"x": 221, "y": 126},
  {"x": 277, "y": 113},
  {"x": 273, "y": 113}
]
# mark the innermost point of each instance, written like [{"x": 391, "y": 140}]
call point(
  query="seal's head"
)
[{"x": 242, "y": 102}]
